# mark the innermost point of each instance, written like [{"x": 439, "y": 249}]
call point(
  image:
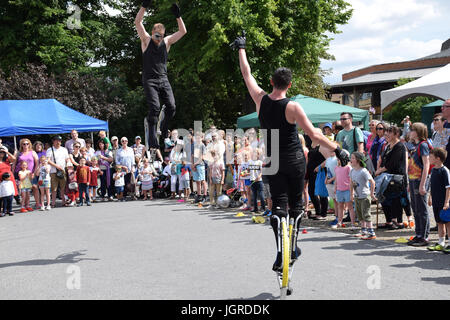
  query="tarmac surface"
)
[{"x": 163, "y": 249}]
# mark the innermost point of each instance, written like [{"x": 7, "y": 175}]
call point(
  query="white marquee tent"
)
[{"x": 435, "y": 84}]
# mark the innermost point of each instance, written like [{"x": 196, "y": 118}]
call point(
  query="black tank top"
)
[
  {"x": 155, "y": 61},
  {"x": 272, "y": 115}
]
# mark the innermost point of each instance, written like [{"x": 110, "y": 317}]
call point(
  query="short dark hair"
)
[
  {"x": 281, "y": 78},
  {"x": 6, "y": 175},
  {"x": 344, "y": 113},
  {"x": 439, "y": 153}
]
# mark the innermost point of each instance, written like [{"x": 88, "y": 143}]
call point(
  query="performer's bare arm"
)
[
  {"x": 255, "y": 91},
  {"x": 143, "y": 35},
  {"x": 170, "y": 40}
]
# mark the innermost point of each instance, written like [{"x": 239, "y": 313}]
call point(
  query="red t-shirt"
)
[{"x": 83, "y": 174}]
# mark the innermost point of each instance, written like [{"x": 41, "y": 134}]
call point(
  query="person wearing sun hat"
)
[{"x": 328, "y": 131}]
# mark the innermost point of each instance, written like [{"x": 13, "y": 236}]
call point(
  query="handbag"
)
[
  {"x": 444, "y": 215},
  {"x": 397, "y": 184},
  {"x": 73, "y": 186},
  {"x": 59, "y": 173}
]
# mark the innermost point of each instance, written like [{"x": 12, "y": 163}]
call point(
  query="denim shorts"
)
[
  {"x": 343, "y": 196},
  {"x": 199, "y": 173},
  {"x": 119, "y": 189}
]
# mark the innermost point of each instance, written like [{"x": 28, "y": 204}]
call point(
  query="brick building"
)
[{"x": 361, "y": 88}]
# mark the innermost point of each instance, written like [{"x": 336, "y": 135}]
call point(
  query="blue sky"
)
[{"x": 383, "y": 31}]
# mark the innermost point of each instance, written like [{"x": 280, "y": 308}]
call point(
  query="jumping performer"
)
[
  {"x": 155, "y": 49},
  {"x": 276, "y": 111}
]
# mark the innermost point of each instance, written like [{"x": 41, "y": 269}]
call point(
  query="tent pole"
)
[
  {"x": 15, "y": 143},
  {"x": 92, "y": 138}
]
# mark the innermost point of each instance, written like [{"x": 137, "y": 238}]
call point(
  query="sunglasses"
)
[
  {"x": 342, "y": 119},
  {"x": 25, "y": 144},
  {"x": 437, "y": 120},
  {"x": 124, "y": 141},
  {"x": 380, "y": 128},
  {"x": 76, "y": 146}
]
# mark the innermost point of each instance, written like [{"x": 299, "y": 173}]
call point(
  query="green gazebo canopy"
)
[
  {"x": 428, "y": 112},
  {"x": 317, "y": 110}
]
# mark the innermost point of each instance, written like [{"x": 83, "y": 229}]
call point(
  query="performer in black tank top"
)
[
  {"x": 156, "y": 84},
  {"x": 277, "y": 112}
]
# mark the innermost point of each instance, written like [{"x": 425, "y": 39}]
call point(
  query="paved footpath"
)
[{"x": 165, "y": 250}]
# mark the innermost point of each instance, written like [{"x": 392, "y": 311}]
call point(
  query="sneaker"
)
[
  {"x": 332, "y": 223},
  {"x": 446, "y": 250},
  {"x": 10, "y": 214},
  {"x": 335, "y": 226},
  {"x": 72, "y": 204},
  {"x": 420, "y": 243},
  {"x": 347, "y": 218},
  {"x": 29, "y": 209},
  {"x": 43, "y": 208},
  {"x": 110, "y": 199},
  {"x": 267, "y": 213},
  {"x": 2, "y": 214},
  {"x": 436, "y": 247},
  {"x": 88, "y": 204},
  {"x": 23, "y": 210},
  {"x": 49, "y": 208},
  {"x": 413, "y": 240},
  {"x": 360, "y": 234},
  {"x": 369, "y": 236},
  {"x": 320, "y": 218}
]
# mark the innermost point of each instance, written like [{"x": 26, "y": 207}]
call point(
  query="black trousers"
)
[
  {"x": 286, "y": 187},
  {"x": 158, "y": 91},
  {"x": 6, "y": 204}
]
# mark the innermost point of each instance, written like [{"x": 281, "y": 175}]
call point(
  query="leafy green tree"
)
[{"x": 204, "y": 71}]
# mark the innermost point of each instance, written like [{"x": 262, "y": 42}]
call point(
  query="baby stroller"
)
[
  {"x": 161, "y": 187},
  {"x": 235, "y": 196}
]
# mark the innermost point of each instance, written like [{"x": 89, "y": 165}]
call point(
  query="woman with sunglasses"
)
[
  {"x": 373, "y": 133},
  {"x": 378, "y": 143},
  {"x": 75, "y": 156},
  {"x": 25, "y": 153},
  {"x": 440, "y": 135},
  {"x": 38, "y": 147}
]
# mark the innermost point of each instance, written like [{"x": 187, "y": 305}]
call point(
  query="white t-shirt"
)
[
  {"x": 60, "y": 158},
  {"x": 255, "y": 167},
  {"x": 146, "y": 173},
  {"x": 7, "y": 189},
  {"x": 121, "y": 181},
  {"x": 331, "y": 164}
]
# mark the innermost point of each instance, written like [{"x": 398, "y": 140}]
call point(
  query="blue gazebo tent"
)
[{"x": 47, "y": 116}]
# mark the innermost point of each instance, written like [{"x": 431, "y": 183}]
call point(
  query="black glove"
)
[
  {"x": 176, "y": 10},
  {"x": 342, "y": 155},
  {"x": 146, "y": 3},
  {"x": 239, "y": 42}
]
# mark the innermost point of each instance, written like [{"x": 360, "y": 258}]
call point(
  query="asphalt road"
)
[{"x": 166, "y": 250}]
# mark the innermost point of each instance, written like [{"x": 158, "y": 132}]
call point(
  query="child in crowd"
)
[
  {"x": 7, "y": 192},
  {"x": 244, "y": 175},
  {"x": 331, "y": 164},
  {"x": 44, "y": 181},
  {"x": 146, "y": 175},
  {"x": 185, "y": 179},
  {"x": 71, "y": 185},
  {"x": 440, "y": 196},
  {"x": 255, "y": 167},
  {"x": 83, "y": 177},
  {"x": 216, "y": 178},
  {"x": 342, "y": 190},
  {"x": 119, "y": 181},
  {"x": 93, "y": 182},
  {"x": 362, "y": 191},
  {"x": 418, "y": 172},
  {"x": 25, "y": 177},
  {"x": 85, "y": 155}
]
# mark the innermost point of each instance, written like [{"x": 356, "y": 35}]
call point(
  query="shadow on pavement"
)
[
  {"x": 262, "y": 296},
  {"x": 69, "y": 258}
]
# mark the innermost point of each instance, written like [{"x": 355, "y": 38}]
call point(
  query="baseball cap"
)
[
  {"x": 114, "y": 138},
  {"x": 137, "y": 137},
  {"x": 4, "y": 149},
  {"x": 328, "y": 124},
  {"x": 57, "y": 138}
]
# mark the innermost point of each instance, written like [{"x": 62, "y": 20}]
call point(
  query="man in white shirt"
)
[
  {"x": 69, "y": 143},
  {"x": 57, "y": 158}
]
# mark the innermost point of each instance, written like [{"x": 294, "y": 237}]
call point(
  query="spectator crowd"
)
[{"x": 404, "y": 169}]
